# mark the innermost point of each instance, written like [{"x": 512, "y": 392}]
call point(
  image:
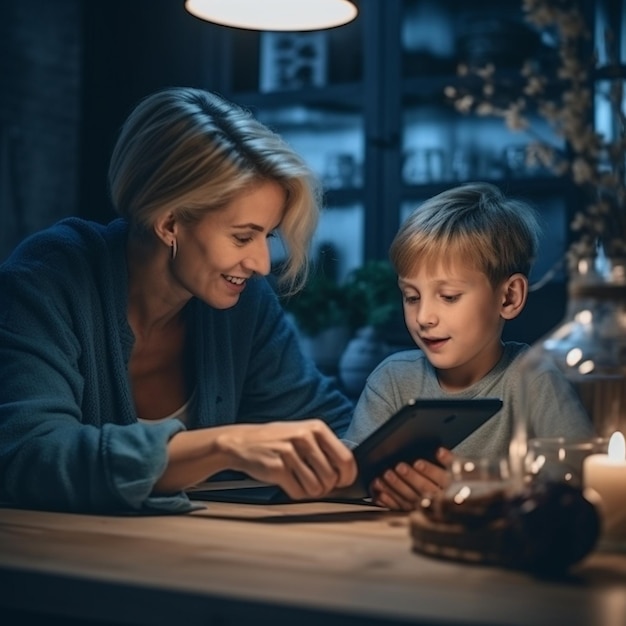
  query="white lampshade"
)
[{"x": 274, "y": 15}]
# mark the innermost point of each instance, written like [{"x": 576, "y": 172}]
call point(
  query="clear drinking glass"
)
[{"x": 561, "y": 459}]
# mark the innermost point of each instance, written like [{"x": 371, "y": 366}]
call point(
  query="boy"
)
[{"x": 463, "y": 260}]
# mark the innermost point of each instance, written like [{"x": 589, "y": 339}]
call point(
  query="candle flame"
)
[{"x": 617, "y": 447}]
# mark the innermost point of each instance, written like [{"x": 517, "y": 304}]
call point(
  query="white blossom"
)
[{"x": 594, "y": 163}]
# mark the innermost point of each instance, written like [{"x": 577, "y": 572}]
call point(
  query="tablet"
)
[
  {"x": 418, "y": 429},
  {"x": 415, "y": 431}
]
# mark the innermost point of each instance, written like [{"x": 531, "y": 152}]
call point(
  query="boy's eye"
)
[
  {"x": 452, "y": 298},
  {"x": 272, "y": 234},
  {"x": 411, "y": 299}
]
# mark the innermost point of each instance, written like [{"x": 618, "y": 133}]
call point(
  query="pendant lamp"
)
[{"x": 274, "y": 15}]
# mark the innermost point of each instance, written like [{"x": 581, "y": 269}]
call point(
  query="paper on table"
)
[{"x": 248, "y": 490}]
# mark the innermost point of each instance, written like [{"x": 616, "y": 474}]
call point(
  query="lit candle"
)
[{"x": 606, "y": 475}]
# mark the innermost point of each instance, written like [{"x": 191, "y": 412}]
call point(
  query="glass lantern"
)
[{"x": 589, "y": 348}]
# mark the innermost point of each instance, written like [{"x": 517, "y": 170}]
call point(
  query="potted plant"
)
[
  {"x": 371, "y": 292},
  {"x": 328, "y": 313},
  {"x": 320, "y": 313},
  {"x": 318, "y": 306},
  {"x": 372, "y": 295}
]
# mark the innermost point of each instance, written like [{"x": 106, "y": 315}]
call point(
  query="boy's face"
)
[{"x": 453, "y": 314}]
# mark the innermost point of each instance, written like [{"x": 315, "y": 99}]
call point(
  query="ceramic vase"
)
[{"x": 362, "y": 354}]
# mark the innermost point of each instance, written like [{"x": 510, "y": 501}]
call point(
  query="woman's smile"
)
[
  {"x": 218, "y": 255},
  {"x": 235, "y": 284}
]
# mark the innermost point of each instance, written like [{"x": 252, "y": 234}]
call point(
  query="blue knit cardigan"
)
[{"x": 69, "y": 435}]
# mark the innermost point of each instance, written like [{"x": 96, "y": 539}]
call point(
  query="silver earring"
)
[{"x": 173, "y": 249}]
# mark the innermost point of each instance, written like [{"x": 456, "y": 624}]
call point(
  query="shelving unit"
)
[{"x": 389, "y": 91}]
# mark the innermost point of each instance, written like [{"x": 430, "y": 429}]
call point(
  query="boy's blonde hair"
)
[
  {"x": 190, "y": 151},
  {"x": 475, "y": 223}
]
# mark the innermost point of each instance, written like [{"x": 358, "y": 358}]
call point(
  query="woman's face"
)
[{"x": 217, "y": 255}]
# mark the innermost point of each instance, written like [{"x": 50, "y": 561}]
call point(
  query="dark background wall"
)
[
  {"x": 40, "y": 82},
  {"x": 131, "y": 48},
  {"x": 70, "y": 72}
]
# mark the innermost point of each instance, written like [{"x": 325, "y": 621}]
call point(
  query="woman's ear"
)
[
  {"x": 514, "y": 295},
  {"x": 165, "y": 228}
]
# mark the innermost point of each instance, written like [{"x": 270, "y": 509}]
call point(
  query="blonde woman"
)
[{"x": 139, "y": 358}]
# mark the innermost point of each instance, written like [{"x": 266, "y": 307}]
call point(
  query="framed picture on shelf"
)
[{"x": 292, "y": 60}]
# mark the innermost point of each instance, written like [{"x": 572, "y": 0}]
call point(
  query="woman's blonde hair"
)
[
  {"x": 190, "y": 151},
  {"x": 475, "y": 223}
]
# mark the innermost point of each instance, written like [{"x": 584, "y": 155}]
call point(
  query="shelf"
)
[
  {"x": 344, "y": 97},
  {"x": 306, "y": 117},
  {"x": 427, "y": 89},
  {"x": 522, "y": 186},
  {"x": 348, "y": 196},
  {"x": 384, "y": 102}
]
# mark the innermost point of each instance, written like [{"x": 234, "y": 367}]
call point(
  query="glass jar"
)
[{"x": 589, "y": 348}]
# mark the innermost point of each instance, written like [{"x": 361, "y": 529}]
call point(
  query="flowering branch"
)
[{"x": 563, "y": 95}]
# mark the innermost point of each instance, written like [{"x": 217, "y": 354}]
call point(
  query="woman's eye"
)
[
  {"x": 243, "y": 240},
  {"x": 272, "y": 235}
]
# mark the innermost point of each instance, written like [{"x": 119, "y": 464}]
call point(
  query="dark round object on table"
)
[
  {"x": 552, "y": 527},
  {"x": 543, "y": 530}
]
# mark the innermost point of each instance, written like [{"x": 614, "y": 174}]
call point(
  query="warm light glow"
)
[
  {"x": 469, "y": 466},
  {"x": 537, "y": 464},
  {"x": 617, "y": 447},
  {"x": 274, "y": 15},
  {"x": 586, "y": 367},
  {"x": 463, "y": 494},
  {"x": 584, "y": 317},
  {"x": 574, "y": 356},
  {"x": 619, "y": 273}
]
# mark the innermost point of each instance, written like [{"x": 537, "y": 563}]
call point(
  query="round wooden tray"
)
[{"x": 484, "y": 544}]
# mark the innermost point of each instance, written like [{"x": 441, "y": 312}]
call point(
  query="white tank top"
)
[{"x": 181, "y": 414}]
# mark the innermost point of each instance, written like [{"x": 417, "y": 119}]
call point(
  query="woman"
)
[{"x": 141, "y": 357}]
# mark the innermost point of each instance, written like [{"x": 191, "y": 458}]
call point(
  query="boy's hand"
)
[{"x": 403, "y": 487}]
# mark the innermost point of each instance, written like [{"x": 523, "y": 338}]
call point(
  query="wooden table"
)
[{"x": 302, "y": 564}]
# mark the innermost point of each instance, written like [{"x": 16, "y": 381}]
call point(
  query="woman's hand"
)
[
  {"x": 403, "y": 487},
  {"x": 305, "y": 458}
]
